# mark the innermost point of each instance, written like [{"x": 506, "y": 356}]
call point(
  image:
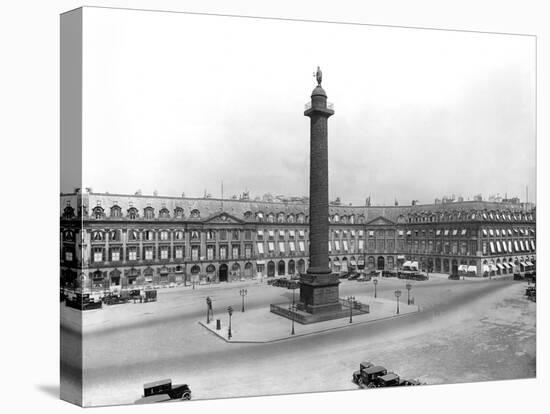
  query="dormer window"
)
[
  {"x": 132, "y": 213},
  {"x": 195, "y": 213},
  {"x": 97, "y": 212},
  {"x": 116, "y": 212},
  {"x": 164, "y": 213},
  {"x": 149, "y": 213}
]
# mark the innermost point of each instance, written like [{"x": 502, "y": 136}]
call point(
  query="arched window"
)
[
  {"x": 210, "y": 235},
  {"x": 260, "y": 216},
  {"x": 97, "y": 236},
  {"x": 195, "y": 213},
  {"x": 352, "y": 219},
  {"x": 116, "y": 211},
  {"x": 98, "y": 212},
  {"x": 336, "y": 218},
  {"x": 132, "y": 213},
  {"x": 178, "y": 235},
  {"x": 290, "y": 218},
  {"x": 280, "y": 218},
  {"x": 68, "y": 212},
  {"x": 270, "y": 218},
  {"x": 195, "y": 235},
  {"x": 149, "y": 213},
  {"x": 247, "y": 215},
  {"x": 164, "y": 213},
  {"x": 178, "y": 212},
  {"x": 300, "y": 218},
  {"x": 114, "y": 235},
  {"x": 361, "y": 219}
]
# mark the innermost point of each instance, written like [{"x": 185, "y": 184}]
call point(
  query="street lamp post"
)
[
  {"x": 230, "y": 312},
  {"x": 209, "y": 309},
  {"x": 397, "y": 294},
  {"x": 375, "y": 281},
  {"x": 350, "y": 299},
  {"x": 243, "y": 293},
  {"x": 292, "y": 309},
  {"x": 409, "y": 287}
]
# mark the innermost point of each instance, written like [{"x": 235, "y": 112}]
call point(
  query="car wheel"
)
[{"x": 186, "y": 396}]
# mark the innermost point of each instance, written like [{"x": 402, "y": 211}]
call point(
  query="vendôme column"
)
[{"x": 318, "y": 287}]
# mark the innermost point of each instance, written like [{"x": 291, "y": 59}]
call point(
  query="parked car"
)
[
  {"x": 367, "y": 374},
  {"x": 115, "y": 299},
  {"x": 390, "y": 379},
  {"x": 355, "y": 275},
  {"x": 163, "y": 390},
  {"x": 363, "y": 278}
]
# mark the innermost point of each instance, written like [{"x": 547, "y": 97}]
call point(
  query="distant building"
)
[{"x": 122, "y": 240}]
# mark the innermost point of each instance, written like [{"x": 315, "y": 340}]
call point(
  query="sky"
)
[{"x": 179, "y": 103}]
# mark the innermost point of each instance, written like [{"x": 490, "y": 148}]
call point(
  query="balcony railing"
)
[{"x": 330, "y": 106}]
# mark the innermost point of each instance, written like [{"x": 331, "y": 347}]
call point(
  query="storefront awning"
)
[
  {"x": 528, "y": 263},
  {"x": 500, "y": 266},
  {"x": 472, "y": 269},
  {"x": 353, "y": 262},
  {"x": 400, "y": 257},
  {"x": 485, "y": 268},
  {"x": 407, "y": 264},
  {"x": 492, "y": 267},
  {"x": 337, "y": 263},
  {"x": 462, "y": 268}
]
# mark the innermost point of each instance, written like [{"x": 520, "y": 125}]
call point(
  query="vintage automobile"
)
[
  {"x": 355, "y": 275},
  {"x": 114, "y": 298},
  {"x": 368, "y": 373},
  {"x": 163, "y": 390},
  {"x": 390, "y": 379},
  {"x": 83, "y": 301}
]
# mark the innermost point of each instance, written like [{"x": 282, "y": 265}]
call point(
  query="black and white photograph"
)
[{"x": 276, "y": 206}]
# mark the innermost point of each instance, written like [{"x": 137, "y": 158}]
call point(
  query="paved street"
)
[{"x": 466, "y": 331}]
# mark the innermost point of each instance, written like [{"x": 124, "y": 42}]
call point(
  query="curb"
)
[{"x": 308, "y": 333}]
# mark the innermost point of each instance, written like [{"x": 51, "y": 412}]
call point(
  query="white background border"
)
[{"x": 29, "y": 158}]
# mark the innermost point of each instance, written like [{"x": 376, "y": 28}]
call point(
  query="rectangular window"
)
[
  {"x": 345, "y": 244},
  {"x": 98, "y": 254},
  {"x": 164, "y": 235},
  {"x": 271, "y": 234},
  {"x": 235, "y": 252},
  {"x": 179, "y": 252},
  {"x": 209, "y": 252},
  {"x": 361, "y": 245},
  {"x": 292, "y": 246},
  {"x": 195, "y": 252},
  {"x": 400, "y": 245},
  {"x": 223, "y": 252},
  {"x": 282, "y": 247},
  {"x": 281, "y": 234},
  {"x": 248, "y": 251},
  {"x": 380, "y": 245},
  {"x": 302, "y": 233},
  {"x": 115, "y": 255},
  {"x": 260, "y": 235},
  {"x": 248, "y": 235},
  {"x": 292, "y": 234},
  {"x": 223, "y": 234},
  {"x": 454, "y": 247},
  {"x": 492, "y": 246},
  {"x": 271, "y": 247},
  {"x": 337, "y": 245},
  {"x": 301, "y": 245},
  {"x": 149, "y": 253},
  {"x": 329, "y": 246},
  {"x": 370, "y": 245},
  {"x": 132, "y": 254},
  {"x": 69, "y": 256},
  {"x": 260, "y": 247},
  {"x": 164, "y": 253}
]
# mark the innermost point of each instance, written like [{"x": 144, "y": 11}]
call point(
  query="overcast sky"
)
[{"x": 177, "y": 103}]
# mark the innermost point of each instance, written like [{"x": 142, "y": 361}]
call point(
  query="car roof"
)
[
  {"x": 388, "y": 377},
  {"x": 157, "y": 383},
  {"x": 374, "y": 369}
]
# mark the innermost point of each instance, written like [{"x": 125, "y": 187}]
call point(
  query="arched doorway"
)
[
  {"x": 114, "y": 277},
  {"x": 390, "y": 262},
  {"x": 344, "y": 267},
  {"x": 380, "y": 263},
  {"x": 291, "y": 267},
  {"x": 446, "y": 266},
  {"x": 222, "y": 273},
  {"x": 210, "y": 272},
  {"x": 270, "y": 269},
  {"x": 281, "y": 268},
  {"x": 370, "y": 262},
  {"x": 438, "y": 264},
  {"x": 301, "y": 266},
  {"x": 236, "y": 270},
  {"x": 248, "y": 269}
]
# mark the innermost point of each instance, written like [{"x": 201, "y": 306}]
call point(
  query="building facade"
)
[{"x": 114, "y": 240}]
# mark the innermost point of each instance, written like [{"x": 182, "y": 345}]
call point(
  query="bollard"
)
[{"x": 218, "y": 324}]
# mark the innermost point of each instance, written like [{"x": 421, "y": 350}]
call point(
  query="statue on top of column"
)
[{"x": 319, "y": 76}]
